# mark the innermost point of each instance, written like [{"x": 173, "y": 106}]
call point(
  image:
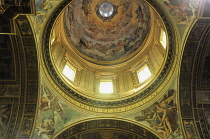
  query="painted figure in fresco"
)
[
  {"x": 42, "y": 9},
  {"x": 140, "y": 14},
  {"x": 122, "y": 36},
  {"x": 160, "y": 130},
  {"x": 52, "y": 116},
  {"x": 167, "y": 111},
  {"x": 42, "y": 6},
  {"x": 182, "y": 9},
  {"x": 162, "y": 115},
  {"x": 46, "y": 127},
  {"x": 46, "y": 100}
]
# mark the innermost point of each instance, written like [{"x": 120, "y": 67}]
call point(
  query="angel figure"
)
[
  {"x": 166, "y": 110},
  {"x": 46, "y": 100}
]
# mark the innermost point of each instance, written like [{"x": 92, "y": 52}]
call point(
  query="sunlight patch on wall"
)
[
  {"x": 163, "y": 38},
  {"x": 144, "y": 74},
  {"x": 69, "y": 72},
  {"x": 106, "y": 87}
]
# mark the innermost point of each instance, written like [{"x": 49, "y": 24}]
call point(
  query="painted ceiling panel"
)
[{"x": 107, "y": 38}]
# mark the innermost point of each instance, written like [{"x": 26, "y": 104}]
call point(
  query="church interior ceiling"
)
[
  {"x": 194, "y": 82},
  {"x": 60, "y": 52},
  {"x": 19, "y": 81},
  {"x": 107, "y": 39},
  {"x": 106, "y": 128},
  {"x": 104, "y": 41},
  {"x": 10, "y": 9}
]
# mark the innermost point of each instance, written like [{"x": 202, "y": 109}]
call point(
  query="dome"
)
[
  {"x": 108, "y": 51},
  {"x": 52, "y": 89},
  {"x": 107, "y": 30}
]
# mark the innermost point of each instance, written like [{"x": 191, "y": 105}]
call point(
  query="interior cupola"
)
[{"x": 108, "y": 50}]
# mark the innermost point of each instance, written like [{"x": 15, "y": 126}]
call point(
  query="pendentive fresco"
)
[{"x": 53, "y": 115}]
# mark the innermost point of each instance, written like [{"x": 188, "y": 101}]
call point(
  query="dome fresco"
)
[
  {"x": 112, "y": 49},
  {"x": 108, "y": 42},
  {"x": 107, "y": 30}
]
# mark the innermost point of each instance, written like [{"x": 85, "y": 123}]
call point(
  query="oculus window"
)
[
  {"x": 69, "y": 72},
  {"x": 144, "y": 74},
  {"x": 163, "y": 38},
  {"x": 106, "y": 9},
  {"x": 106, "y": 87}
]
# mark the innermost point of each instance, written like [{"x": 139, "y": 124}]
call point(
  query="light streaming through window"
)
[
  {"x": 106, "y": 9},
  {"x": 144, "y": 74},
  {"x": 163, "y": 39},
  {"x": 69, "y": 73},
  {"x": 106, "y": 87}
]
